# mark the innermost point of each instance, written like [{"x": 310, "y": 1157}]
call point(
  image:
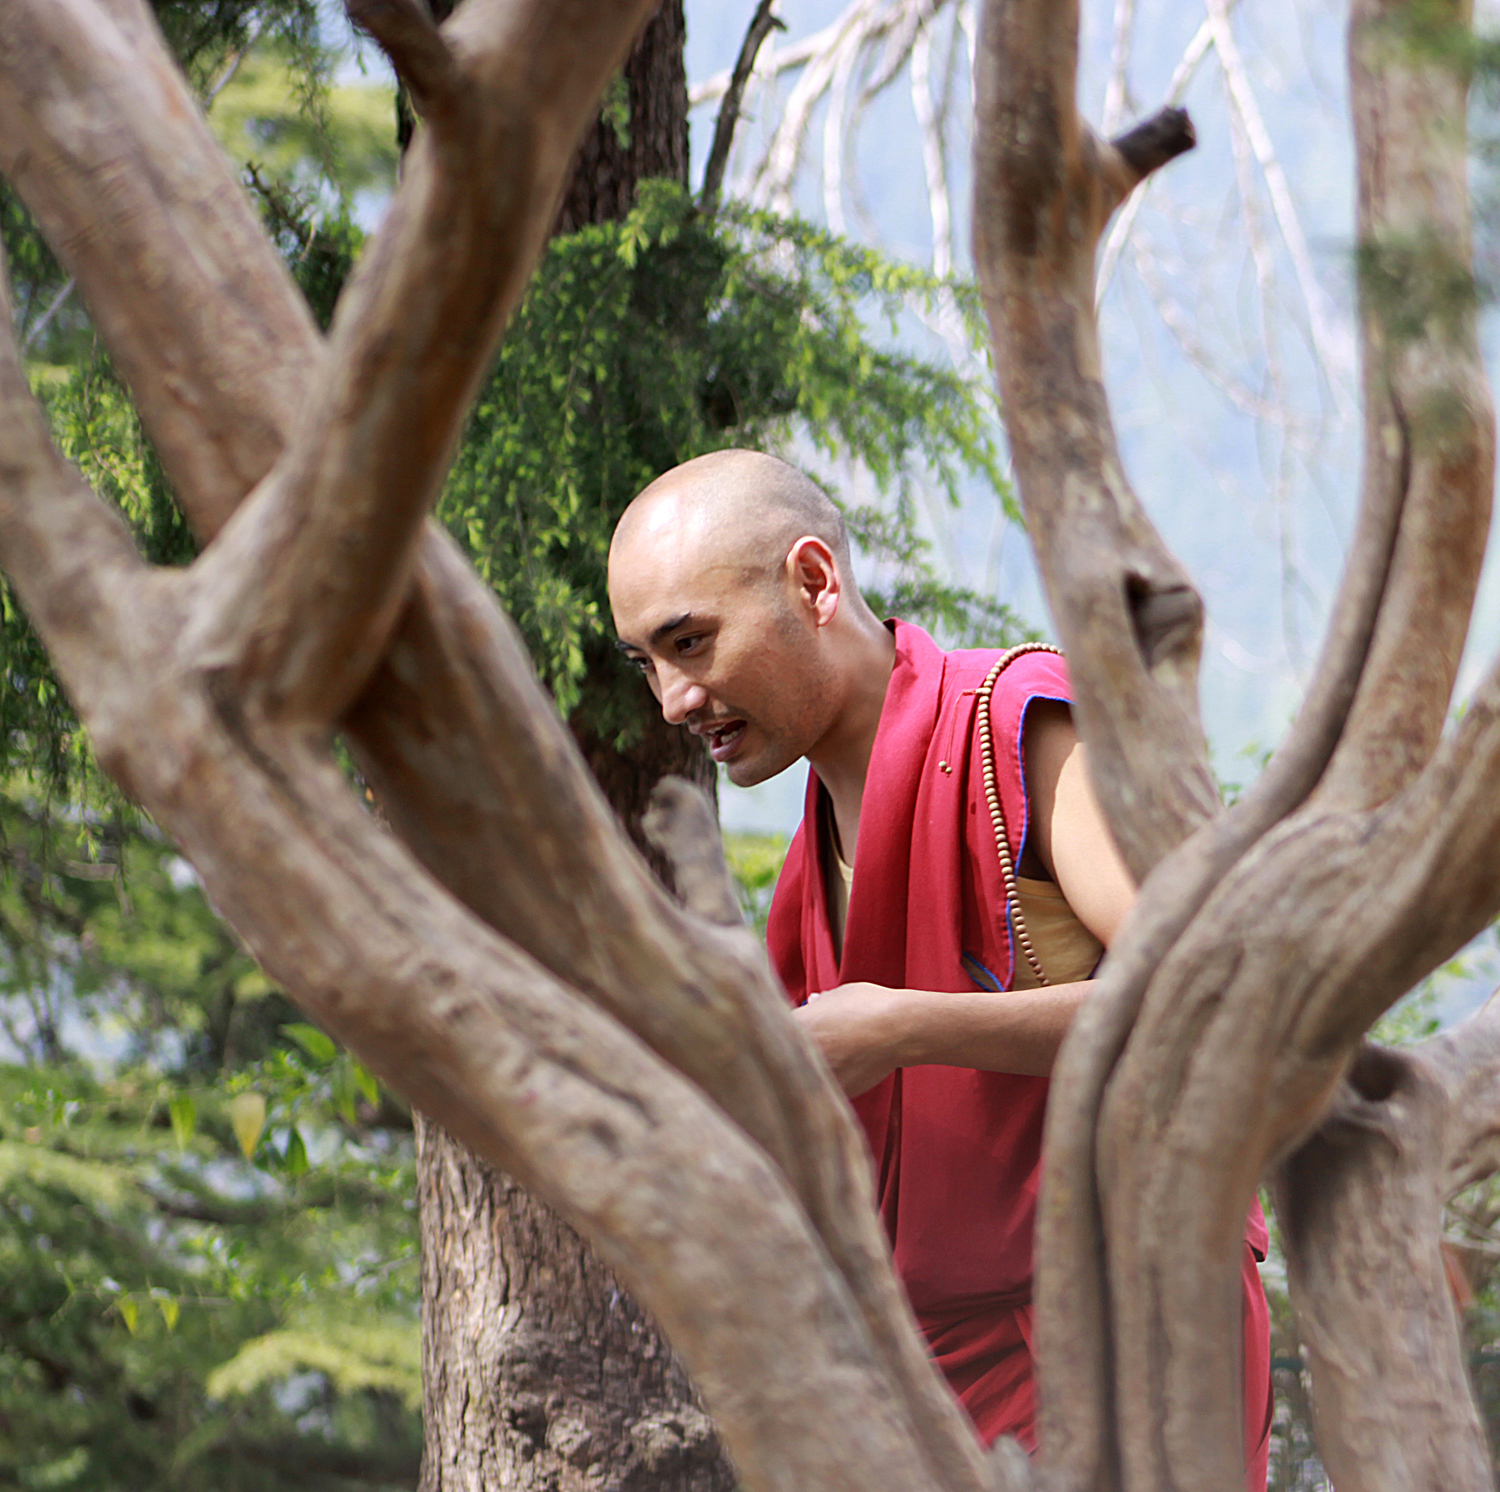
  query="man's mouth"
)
[{"x": 724, "y": 740}]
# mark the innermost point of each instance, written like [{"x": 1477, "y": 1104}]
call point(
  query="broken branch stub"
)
[{"x": 1128, "y": 617}]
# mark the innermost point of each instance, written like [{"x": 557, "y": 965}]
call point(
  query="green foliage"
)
[
  {"x": 755, "y": 862},
  {"x": 208, "y": 38},
  {"x": 163, "y": 1309},
  {"x": 643, "y": 343},
  {"x": 300, "y": 129},
  {"x": 149, "y": 1239}
]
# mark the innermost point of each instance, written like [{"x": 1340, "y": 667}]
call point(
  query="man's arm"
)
[{"x": 867, "y": 1030}]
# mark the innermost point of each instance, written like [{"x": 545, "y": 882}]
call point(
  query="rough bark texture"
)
[
  {"x": 1360, "y": 1206},
  {"x": 515, "y": 970},
  {"x": 1234, "y": 999},
  {"x": 539, "y": 1370},
  {"x": 522, "y": 1321},
  {"x": 643, "y": 130}
]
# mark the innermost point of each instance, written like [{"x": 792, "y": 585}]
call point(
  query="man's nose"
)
[{"x": 680, "y": 695}]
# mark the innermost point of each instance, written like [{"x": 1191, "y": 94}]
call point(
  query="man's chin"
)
[{"x": 750, "y": 769}]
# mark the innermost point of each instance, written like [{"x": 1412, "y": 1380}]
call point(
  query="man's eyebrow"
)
[
  {"x": 668, "y": 627},
  {"x": 657, "y": 633}
]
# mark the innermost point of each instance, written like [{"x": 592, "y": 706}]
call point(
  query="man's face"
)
[{"x": 725, "y": 650}]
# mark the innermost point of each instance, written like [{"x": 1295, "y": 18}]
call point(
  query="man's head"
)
[{"x": 730, "y": 585}]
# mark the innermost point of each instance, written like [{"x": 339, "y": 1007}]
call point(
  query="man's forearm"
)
[
  {"x": 866, "y": 1030},
  {"x": 1015, "y": 1031}
]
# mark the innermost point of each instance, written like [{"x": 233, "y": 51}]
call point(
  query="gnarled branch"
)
[{"x": 1126, "y": 614}]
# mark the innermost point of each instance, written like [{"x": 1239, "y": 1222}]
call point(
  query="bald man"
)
[{"x": 732, "y": 591}]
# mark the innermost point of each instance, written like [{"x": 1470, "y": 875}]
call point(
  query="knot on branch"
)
[
  {"x": 408, "y": 35},
  {"x": 1149, "y": 145},
  {"x": 680, "y": 823},
  {"x": 1167, "y": 619}
]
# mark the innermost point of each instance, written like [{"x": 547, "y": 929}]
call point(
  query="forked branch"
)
[
  {"x": 1128, "y": 617},
  {"x": 422, "y": 59},
  {"x": 315, "y": 567}
]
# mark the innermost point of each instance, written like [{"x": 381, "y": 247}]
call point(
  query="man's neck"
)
[{"x": 842, "y": 758}]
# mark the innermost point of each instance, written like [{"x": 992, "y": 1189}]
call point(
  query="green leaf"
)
[
  {"x": 184, "y": 1114},
  {"x": 170, "y": 1309},
  {"x": 247, "y": 1117},
  {"x": 130, "y": 1312},
  {"x": 296, "y": 1155},
  {"x": 346, "y": 1093},
  {"x": 322, "y": 1049},
  {"x": 365, "y": 1081}
]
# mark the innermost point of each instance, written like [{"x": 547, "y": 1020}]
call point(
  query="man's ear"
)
[{"x": 813, "y": 574}]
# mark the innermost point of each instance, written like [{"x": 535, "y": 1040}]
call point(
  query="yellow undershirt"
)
[{"x": 1068, "y": 951}]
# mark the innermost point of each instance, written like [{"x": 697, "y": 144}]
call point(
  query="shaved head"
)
[
  {"x": 743, "y": 508},
  {"x": 730, "y": 586}
]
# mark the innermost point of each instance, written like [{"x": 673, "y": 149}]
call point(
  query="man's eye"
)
[{"x": 687, "y": 644}]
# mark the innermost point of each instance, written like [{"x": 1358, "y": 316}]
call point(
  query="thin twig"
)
[
  {"x": 1243, "y": 99},
  {"x": 1116, "y": 92},
  {"x": 761, "y": 25},
  {"x": 45, "y": 319},
  {"x": 1197, "y": 49},
  {"x": 933, "y": 160}
]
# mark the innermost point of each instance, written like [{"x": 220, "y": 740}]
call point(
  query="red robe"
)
[{"x": 957, "y": 1151}]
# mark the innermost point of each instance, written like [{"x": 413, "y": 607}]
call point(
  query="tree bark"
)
[
  {"x": 642, "y": 130},
  {"x": 539, "y": 1370}
]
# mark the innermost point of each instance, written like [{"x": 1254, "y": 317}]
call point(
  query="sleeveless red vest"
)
[{"x": 957, "y": 1150}]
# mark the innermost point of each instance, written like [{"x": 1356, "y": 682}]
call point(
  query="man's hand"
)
[{"x": 859, "y": 1028}]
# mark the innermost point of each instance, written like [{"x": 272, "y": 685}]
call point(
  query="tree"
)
[
  {"x": 651, "y": 332},
  {"x": 539, "y": 1370},
  {"x": 501, "y": 952}
]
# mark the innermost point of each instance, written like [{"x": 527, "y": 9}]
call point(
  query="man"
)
[{"x": 732, "y": 591}]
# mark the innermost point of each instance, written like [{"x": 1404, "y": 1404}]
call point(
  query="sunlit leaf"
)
[
  {"x": 247, "y": 1117},
  {"x": 184, "y": 1115},
  {"x": 322, "y": 1049},
  {"x": 365, "y": 1081},
  {"x": 130, "y": 1312},
  {"x": 296, "y": 1154}
]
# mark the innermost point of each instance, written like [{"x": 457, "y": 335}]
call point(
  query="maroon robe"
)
[{"x": 957, "y": 1150}]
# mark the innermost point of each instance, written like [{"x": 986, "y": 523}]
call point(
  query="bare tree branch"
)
[
  {"x": 407, "y": 35},
  {"x": 1360, "y": 1205},
  {"x": 1119, "y": 232},
  {"x": 682, "y": 824},
  {"x": 457, "y": 736},
  {"x": 1429, "y": 415},
  {"x": 761, "y": 25},
  {"x": 1126, "y": 613}
]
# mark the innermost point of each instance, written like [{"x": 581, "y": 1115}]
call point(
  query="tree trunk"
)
[
  {"x": 642, "y": 130},
  {"x": 539, "y": 1371}
]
